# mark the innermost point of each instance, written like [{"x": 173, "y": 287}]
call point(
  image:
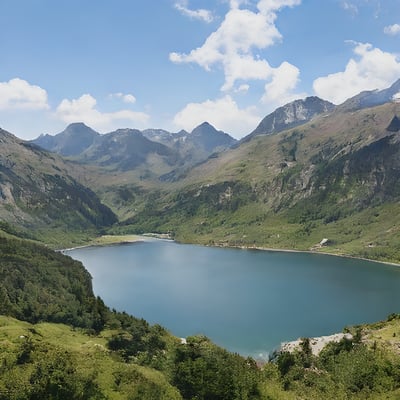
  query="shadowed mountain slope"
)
[
  {"x": 75, "y": 139},
  {"x": 37, "y": 190}
]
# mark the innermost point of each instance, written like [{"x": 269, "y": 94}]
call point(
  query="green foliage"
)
[
  {"x": 38, "y": 284},
  {"x": 203, "y": 371},
  {"x": 45, "y": 373},
  {"x": 137, "y": 340},
  {"x": 343, "y": 370}
]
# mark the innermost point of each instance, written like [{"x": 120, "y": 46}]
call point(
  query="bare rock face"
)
[
  {"x": 371, "y": 98},
  {"x": 292, "y": 114}
]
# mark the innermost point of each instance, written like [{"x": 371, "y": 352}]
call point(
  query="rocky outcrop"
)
[{"x": 290, "y": 115}]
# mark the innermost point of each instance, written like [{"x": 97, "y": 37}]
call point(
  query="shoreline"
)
[
  {"x": 317, "y": 343},
  {"x": 115, "y": 240},
  {"x": 258, "y": 248}
]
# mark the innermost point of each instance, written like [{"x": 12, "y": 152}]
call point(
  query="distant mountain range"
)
[
  {"x": 126, "y": 149},
  {"x": 310, "y": 170},
  {"x": 174, "y": 153}
]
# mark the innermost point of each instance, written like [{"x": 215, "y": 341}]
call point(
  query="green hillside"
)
[
  {"x": 41, "y": 199},
  {"x": 335, "y": 177},
  {"x": 98, "y": 353}
]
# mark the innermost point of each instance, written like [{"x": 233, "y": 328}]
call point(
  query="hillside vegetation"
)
[
  {"x": 331, "y": 176},
  {"x": 97, "y": 353},
  {"x": 335, "y": 177},
  {"x": 40, "y": 198}
]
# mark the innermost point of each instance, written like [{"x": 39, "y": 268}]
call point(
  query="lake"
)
[{"x": 248, "y": 301}]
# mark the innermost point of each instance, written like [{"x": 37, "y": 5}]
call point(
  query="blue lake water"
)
[{"x": 247, "y": 301}]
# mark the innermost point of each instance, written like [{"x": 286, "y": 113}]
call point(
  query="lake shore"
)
[
  {"x": 159, "y": 258},
  {"x": 116, "y": 240},
  {"x": 111, "y": 240},
  {"x": 317, "y": 344},
  {"x": 325, "y": 253}
]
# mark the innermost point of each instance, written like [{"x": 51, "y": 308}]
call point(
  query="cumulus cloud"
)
[
  {"x": 281, "y": 89},
  {"x": 223, "y": 113},
  {"x": 126, "y": 98},
  {"x": 232, "y": 46},
  {"x": 84, "y": 110},
  {"x": 370, "y": 69},
  {"x": 201, "y": 14},
  {"x": 392, "y": 30},
  {"x": 20, "y": 94}
]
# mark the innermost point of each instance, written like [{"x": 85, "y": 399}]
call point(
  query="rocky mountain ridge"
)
[
  {"x": 290, "y": 115},
  {"x": 282, "y": 190},
  {"x": 372, "y": 98},
  {"x": 38, "y": 190},
  {"x": 126, "y": 149}
]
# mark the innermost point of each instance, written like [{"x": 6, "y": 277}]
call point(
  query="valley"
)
[
  {"x": 312, "y": 177},
  {"x": 333, "y": 173}
]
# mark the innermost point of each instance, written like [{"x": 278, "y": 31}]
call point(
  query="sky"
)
[{"x": 173, "y": 64}]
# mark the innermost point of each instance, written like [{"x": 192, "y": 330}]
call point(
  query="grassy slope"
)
[
  {"x": 289, "y": 191},
  {"x": 91, "y": 359},
  {"x": 116, "y": 379},
  {"x": 40, "y": 196}
]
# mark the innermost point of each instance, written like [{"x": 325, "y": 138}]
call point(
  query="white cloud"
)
[
  {"x": 392, "y": 30},
  {"x": 243, "y": 88},
  {"x": 280, "y": 90},
  {"x": 84, "y": 110},
  {"x": 20, "y": 94},
  {"x": 201, "y": 14},
  {"x": 349, "y": 6},
  {"x": 268, "y": 7},
  {"x": 126, "y": 98},
  {"x": 232, "y": 45},
  {"x": 371, "y": 69},
  {"x": 223, "y": 114}
]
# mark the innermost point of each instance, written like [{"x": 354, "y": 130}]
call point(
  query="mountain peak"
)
[
  {"x": 205, "y": 124},
  {"x": 75, "y": 125},
  {"x": 206, "y": 136},
  {"x": 204, "y": 127},
  {"x": 73, "y": 140},
  {"x": 371, "y": 98},
  {"x": 292, "y": 114}
]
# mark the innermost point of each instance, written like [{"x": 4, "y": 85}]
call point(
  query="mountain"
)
[
  {"x": 193, "y": 148},
  {"x": 75, "y": 139},
  {"x": 164, "y": 137},
  {"x": 294, "y": 188},
  {"x": 125, "y": 149},
  {"x": 37, "y": 190},
  {"x": 371, "y": 98},
  {"x": 204, "y": 138},
  {"x": 156, "y": 151},
  {"x": 210, "y": 139},
  {"x": 290, "y": 115}
]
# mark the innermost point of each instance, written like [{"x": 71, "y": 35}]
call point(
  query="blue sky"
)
[{"x": 173, "y": 64}]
